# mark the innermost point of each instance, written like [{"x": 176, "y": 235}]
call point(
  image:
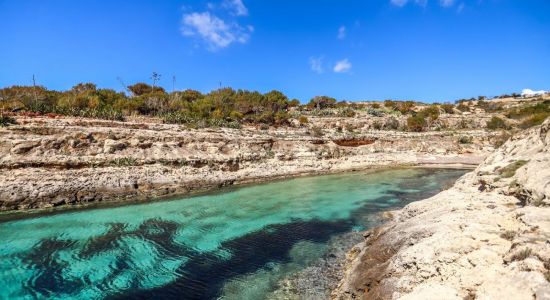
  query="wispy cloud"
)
[
  {"x": 236, "y": 6},
  {"x": 401, "y": 3},
  {"x": 342, "y": 32},
  {"x": 215, "y": 31},
  {"x": 316, "y": 64},
  {"x": 342, "y": 66}
]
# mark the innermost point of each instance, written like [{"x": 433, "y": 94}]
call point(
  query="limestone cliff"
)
[
  {"x": 487, "y": 237},
  {"x": 49, "y": 162}
]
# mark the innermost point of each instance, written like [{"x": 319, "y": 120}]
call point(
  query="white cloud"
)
[
  {"x": 342, "y": 66},
  {"x": 316, "y": 64},
  {"x": 342, "y": 32},
  {"x": 236, "y": 6},
  {"x": 213, "y": 30}
]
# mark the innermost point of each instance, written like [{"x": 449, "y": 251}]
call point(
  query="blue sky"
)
[{"x": 431, "y": 50}]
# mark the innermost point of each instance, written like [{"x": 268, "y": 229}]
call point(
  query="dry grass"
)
[
  {"x": 508, "y": 235},
  {"x": 510, "y": 170},
  {"x": 522, "y": 255}
]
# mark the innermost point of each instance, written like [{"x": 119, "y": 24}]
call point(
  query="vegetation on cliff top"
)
[{"x": 226, "y": 107}]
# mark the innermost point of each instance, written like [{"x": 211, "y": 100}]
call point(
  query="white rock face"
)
[
  {"x": 51, "y": 162},
  {"x": 488, "y": 237}
]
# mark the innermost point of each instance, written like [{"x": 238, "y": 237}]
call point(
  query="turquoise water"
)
[{"x": 235, "y": 244}]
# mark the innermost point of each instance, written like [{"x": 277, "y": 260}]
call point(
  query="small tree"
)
[
  {"x": 294, "y": 103},
  {"x": 141, "y": 88},
  {"x": 322, "y": 102}
]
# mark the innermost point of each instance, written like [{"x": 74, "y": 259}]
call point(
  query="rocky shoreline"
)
[
  {"x": 487, "y": 237},
  {"x": 68, "y": 161}
]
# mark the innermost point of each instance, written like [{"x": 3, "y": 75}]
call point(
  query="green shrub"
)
[
  {"x": 391, "y": 124},
  {"x": 534, "y": 120},
  {"x": 322, "y": 102},
  {"x": 303, "y": 120},
  {"x": 527, "y": 111},
  {"x": 375, "y": 112},
  {"x": 448, "y": 108},
  {"x": 497, "y": 123},
  {"x": 317, "y": 131},
  {"x": 123, "y": 162},
  {"x": 416, "y": 123},
  {"x": 223, "y": 107},
  {"x": 6, "y": 121},
  {"x": 390, "y": 104},
  {"x": 465, "y": 140},
  {"x": 430, "y": 113},
  {"x": 346, "y": 112},
  {"x": 294, "y": 103},
  {"x": 462, "y": 107},
  {"x": 405, "y": 107}
]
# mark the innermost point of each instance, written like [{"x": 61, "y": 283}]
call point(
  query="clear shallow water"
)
[{"x": 236, "y": 244}]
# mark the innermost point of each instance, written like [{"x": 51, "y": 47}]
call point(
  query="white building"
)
[{"x": 526, "y": 93}]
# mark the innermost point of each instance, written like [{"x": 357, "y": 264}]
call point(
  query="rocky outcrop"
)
[
  {"x": 51, "y": 162},
  {"x": 488, "y": 237}
]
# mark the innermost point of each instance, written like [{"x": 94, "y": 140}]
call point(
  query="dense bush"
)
[
  {"x": 224, "y": 107},
  {"x": 465, "y": 140},
  {"x": 6, "y": 121},
  {"x": 462, "y": 107},
  {"x": 416, "y": 123},
  {"x": 423, "y": 119},
  {"x": 497, "y": 123},
  {"x": 490, "y": 106},
  {"x": 534, "y": 120},
  {"x": 321, "y": 102},
  {"x": 375, "y": 112},
  {"x": 391, "y": 124},
  {"x": 532, "y": 115},
  {"x": 448, "y": 108},
  {"x": 403, "y": 107}
]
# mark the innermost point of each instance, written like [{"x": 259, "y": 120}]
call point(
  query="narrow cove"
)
[{"x": 236, "y": 244}]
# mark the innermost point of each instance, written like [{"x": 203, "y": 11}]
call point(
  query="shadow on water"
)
[{"x": 204, "y": 275}]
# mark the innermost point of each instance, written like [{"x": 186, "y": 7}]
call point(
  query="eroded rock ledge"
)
[
  {"x": 50, "y": 162},
  {"x": 488, "y": 237}
]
